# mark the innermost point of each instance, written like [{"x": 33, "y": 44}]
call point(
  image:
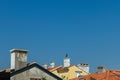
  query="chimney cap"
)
[
  {"x": 101, "y": 67},
  {"x": 18, "y": 50},
  {"x": 83, "y": 64},
  {"x": 52, "y": 62}
]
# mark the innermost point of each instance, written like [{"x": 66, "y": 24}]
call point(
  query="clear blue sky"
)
[{"x": 88, "y": 30}]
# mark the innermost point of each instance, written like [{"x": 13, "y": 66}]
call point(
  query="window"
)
[{"x": 78, "y": 73}]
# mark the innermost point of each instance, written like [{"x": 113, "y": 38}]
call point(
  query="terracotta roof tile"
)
[
  {"x": 57, "y": 67},
  {"x": 79, "y": 78},
  {"x": 62, "y": 69},
  {"x": 108, "y": 75},
  {"x": 54, "y": 68},
  {"x": 5, "y": 74},
  {"x": 8, "y": 70}
]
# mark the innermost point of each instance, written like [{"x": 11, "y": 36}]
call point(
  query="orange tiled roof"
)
[
  {"x": 5, "y": 74},
  {"x": 8, "y": 70},
  {"x": 62, "y": 69},
  {"x": 54, "y": 68},
  {"x": 75, "y": 79},
  {"x": 79, "y": 78},
  {"x": 108, "y": 75},
  {"x": 57, "y": 67}
]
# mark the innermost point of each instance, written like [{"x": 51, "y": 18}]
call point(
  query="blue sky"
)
[{"x": 88, "y": 30}]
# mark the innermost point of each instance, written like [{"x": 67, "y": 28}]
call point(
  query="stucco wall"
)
[{"x": 32, "y": 73}]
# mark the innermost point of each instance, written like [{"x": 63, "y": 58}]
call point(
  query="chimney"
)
[
  {"x": 84, "y": 67},
  {"x": 52, "y": 65},
  {"x": 101, "y": 69},
  {"x": 45, "y": 66},
  {"x": 18, "y": 58}
]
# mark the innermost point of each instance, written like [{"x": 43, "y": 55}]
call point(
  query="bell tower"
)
[{"x": 66, "y": 61}]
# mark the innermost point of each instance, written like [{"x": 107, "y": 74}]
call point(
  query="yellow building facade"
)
[{"x": 69, "y": 72}]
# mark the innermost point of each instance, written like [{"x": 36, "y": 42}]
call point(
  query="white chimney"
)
[
  {"x": 84, "y": 67},
  {"x": 18, "y": 58},
  {"x": 52, "y": 65},
  {"x": 101, "y": 69},
  {"x": 45, "y": 66}
]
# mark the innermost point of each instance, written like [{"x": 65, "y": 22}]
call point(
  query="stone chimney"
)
[
  {"x": 101, "y": 69},
  {"x": 18, "y": 58},
  {"x": 45, "y": 66},
  {"x": 84, "y": 67},
  {"x": 52, "y": 64}
]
